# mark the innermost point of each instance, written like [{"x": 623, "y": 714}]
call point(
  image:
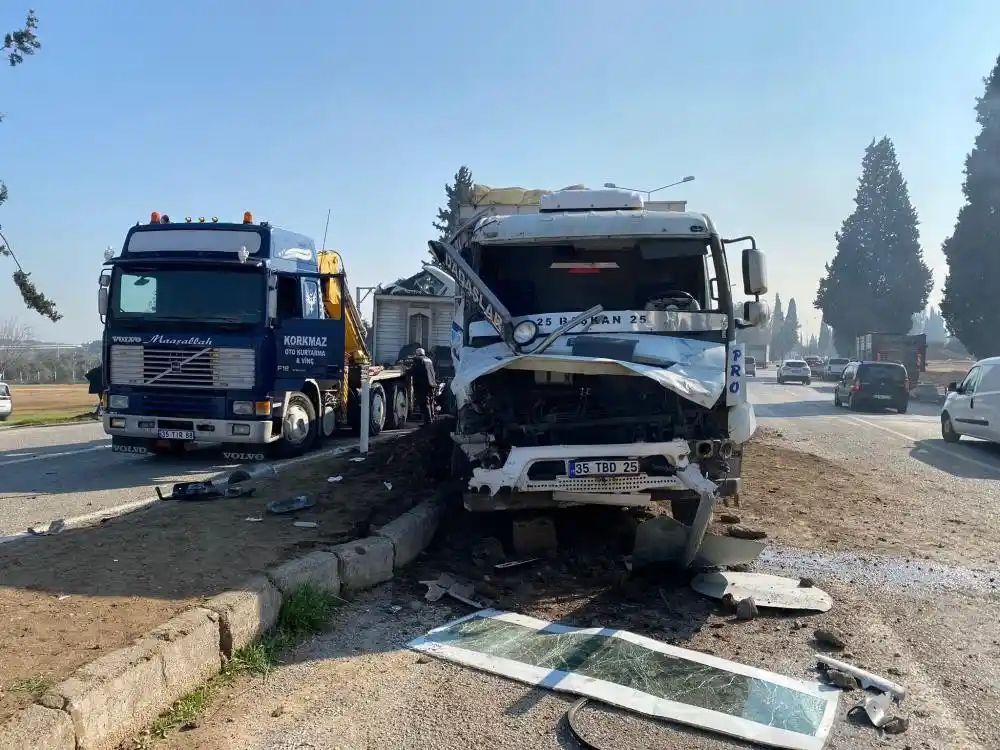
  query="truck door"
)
[{"x": 310, "y": 345}]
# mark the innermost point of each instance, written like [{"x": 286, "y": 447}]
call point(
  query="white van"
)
[
  {"x": 972, "y": 407},
  {"x": 6, "y": 405}
]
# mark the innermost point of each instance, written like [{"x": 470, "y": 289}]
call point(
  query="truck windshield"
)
[
  {"x": 649, "y": 275},
  {"x": 190, "y": 294}
]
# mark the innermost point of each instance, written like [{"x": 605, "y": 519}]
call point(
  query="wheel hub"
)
[{"x": 296, "y": 424}]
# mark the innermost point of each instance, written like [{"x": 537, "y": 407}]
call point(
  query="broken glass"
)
[{"x": 662, "y": 673}]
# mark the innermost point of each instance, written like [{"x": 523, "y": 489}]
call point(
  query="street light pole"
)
[{"x": 689, "y": 178}]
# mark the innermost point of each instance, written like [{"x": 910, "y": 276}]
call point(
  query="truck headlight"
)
[
  {"x": 525, "y": 331},
  {"x": 118, "y": 402},
  {"x": 243, "y": 408}
]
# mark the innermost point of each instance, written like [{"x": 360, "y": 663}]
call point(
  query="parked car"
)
[
  {"x": 835, "y": 368},
  {"x": 883, "y": 385},
  {"x": 6, "y": 404},
  {"x": 972, "y": 407},
  {"x": 750, "y": 366},
  {"x": 794, "y": 369}
]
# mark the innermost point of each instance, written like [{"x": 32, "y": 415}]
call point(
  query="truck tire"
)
[
  {"x": 299, "y": 427},
  {"x": 376, "y": 409},
  {"x": 399, "y": 405}
]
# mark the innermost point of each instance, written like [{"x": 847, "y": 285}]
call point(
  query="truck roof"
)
[
  {"x": 277, "y": 248},
  {"x": 538, "y": 227}
]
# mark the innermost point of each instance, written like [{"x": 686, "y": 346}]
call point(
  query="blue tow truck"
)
[{"x": 239, "y": 334}]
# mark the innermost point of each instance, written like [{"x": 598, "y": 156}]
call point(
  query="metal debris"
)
[
  {"x": 306, "y": 524},
  {"x": 515, "y": 563},
  {"x": 463, "y": 592}
]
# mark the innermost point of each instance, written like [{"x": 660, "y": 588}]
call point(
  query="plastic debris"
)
[
  {"x": 292, "y": 504},
  {"x": 334, "y": 480},
  {"x": 771, "y": 591},
  {"x": 254, "y": 519},
  {"x": 388, "y": 485},
  {"x": 306, "y": 524},
  {"x": 357, "y": 459}
]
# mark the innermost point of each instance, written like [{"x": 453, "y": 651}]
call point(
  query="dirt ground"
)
[
  {"x": 942, "y": 372},
  {"x": 67, "y": 599},
  {"x": 44, "y": 402}
]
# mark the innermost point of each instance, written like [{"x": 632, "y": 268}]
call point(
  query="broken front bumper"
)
[{"x": 505, "y": 488}]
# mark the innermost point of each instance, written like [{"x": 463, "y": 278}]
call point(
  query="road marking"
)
[
  {"x": 937, "y": 448},
  {"x": 53, "y": 455}
]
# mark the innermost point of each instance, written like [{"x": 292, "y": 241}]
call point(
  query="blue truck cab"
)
[{"x": 239, "y": 334}]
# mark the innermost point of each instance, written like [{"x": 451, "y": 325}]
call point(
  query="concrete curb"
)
[{"x": 119, "y": 695}]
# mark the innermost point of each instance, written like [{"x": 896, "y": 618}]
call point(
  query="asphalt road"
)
[{"x": 68, "y": 471}]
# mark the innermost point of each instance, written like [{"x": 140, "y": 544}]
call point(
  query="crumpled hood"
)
[{"x": 696, "y": 370}]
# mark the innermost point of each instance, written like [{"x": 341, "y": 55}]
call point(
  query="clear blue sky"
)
[{"x": 288, "y": 109}]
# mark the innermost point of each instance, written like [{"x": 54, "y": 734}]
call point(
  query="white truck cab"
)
[{"x": 595, "y": 356}]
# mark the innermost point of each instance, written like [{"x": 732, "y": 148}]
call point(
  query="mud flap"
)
[
  {"x": 708, "y": 492},
  {"x": 666, "y": 540},
  {"x": 133, "y": 445}
]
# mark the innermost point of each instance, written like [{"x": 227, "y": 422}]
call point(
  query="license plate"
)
[
  {"x": 880, "y": 397},
  {"x": 603, "y": 468},
  {"x": 175, "y": 434}
]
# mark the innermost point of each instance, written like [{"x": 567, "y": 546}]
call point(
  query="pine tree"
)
[
  {"x": 934, "y": 327},
  {"x": 824, "y": 343},
  {"x": 20, "y": 44},
  {"x": 878, "y": 278},
  {"x": 458, "y": 193},
  {"x": 790, "y": 340},
  {"x": 777, "y": 326},
  {"x": 973, "y": 282}
]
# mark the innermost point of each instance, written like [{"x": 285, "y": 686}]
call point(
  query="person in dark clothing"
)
[
  {"x": 96, "y": 379},
  {"x": 424, "y": 383}
]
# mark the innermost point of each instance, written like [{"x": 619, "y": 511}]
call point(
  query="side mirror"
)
[
  {"x": 713, "y": 289},
  {"x": 953, "y": 387},
  {"x": 272, "y": 298},
  {"x": 102, "y": 301},
  {"x": 754, "y": 272},
  {"x": 756, "y": 313}
]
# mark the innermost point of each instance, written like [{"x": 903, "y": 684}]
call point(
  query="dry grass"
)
[{"x": 40, "y": 404}]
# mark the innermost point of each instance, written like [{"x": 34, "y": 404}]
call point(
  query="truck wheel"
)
[
  {"x": 298, "y": 426},
  {"x": 376, "y": 409},
  {"x": 399, "y": 406}
]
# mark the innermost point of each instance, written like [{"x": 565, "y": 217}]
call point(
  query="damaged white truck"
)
[{"x": 595, "y": 355}]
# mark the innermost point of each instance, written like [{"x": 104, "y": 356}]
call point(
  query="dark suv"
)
[{"x": 880, "y": 385}]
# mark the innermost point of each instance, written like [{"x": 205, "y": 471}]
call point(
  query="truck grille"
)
[{"x": 186, "y": 367}]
